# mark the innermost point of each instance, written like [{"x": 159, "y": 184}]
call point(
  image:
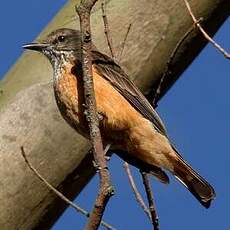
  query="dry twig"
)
[
  {"x": 59, "y": 194},
  {"x": 106, "y": 189},
  {"x": 167, "y": 71},
  {"x": 216, "y": 45},
  {"x": 135, "y": 191},
  {"x": 106, "y": 29},
  {"x": 152, "y": 208},
  {"x": 123, "y": 43}
]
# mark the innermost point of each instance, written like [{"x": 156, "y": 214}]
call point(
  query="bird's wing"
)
[{"x": 112, "y": 72}]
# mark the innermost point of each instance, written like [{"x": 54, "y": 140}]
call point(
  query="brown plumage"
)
[{"x": 128, "y": 122}]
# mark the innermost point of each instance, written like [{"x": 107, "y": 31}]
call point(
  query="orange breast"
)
[{"x": 118, "y": 114}]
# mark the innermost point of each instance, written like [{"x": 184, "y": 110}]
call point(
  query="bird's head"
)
[{"x": 61, "y": 44}]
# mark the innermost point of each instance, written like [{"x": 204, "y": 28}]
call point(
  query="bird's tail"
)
[{"x": 197, "y": 185}]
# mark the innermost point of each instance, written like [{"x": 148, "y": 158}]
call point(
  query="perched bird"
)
[{"x": 128, "y": 121}]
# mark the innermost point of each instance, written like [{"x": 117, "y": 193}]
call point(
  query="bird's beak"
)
[{"x": 36, "y": 46}]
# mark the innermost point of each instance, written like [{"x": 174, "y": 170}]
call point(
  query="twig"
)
[
  {"x": 217, "y": 46},
  {"x": 59, "y": 194},
  {"x": 152, "y": 208},
  {"x": 135, "y": 191},
  {"x": 106, "y": 29},
  {"x": 167, "y": 71},
  {"x": 106, "y": 189},
  {"x": 123, "y": 43}
]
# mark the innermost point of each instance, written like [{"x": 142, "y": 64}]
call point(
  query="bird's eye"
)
[{"x": 61, "y": 38}]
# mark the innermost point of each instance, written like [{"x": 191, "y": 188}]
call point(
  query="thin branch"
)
[
  {"x": 123, "y": 43},
  {"x": 106, "y": 189},
  {"x": 135, "y": 191},
  {"x": 106, "y": 29},
  {"x": 152, "y": 208},
  {"x": 167, "y": 71},
  {"x": 59, "y": 194},
  {"x": 216, "y": 45}
]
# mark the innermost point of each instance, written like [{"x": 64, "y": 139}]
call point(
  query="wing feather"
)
[{"x": 111, "y": 71}]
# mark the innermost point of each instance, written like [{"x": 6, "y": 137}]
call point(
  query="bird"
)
[{"x": 127, "y": 120}]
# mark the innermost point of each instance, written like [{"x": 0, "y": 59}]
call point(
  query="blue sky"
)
[{"x": 196, "y": 112}]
